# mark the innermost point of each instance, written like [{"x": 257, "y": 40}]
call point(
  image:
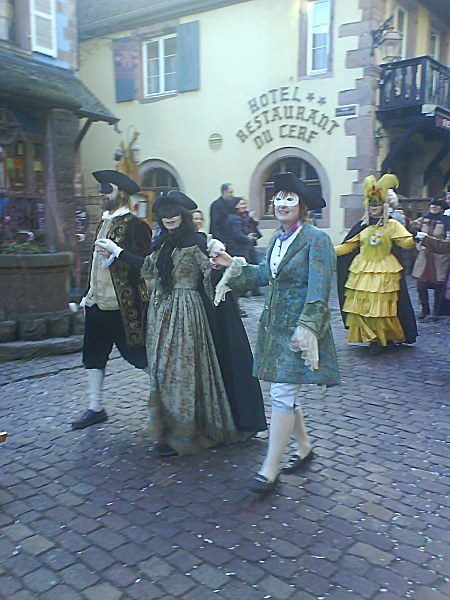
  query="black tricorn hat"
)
[
  {"x": 173, "y": 198},
  {"x": 122, "y": 181},
  {"x": 288, "y": 182}
]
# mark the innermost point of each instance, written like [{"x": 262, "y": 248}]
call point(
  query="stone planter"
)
[{"x": 34, "y": 292}]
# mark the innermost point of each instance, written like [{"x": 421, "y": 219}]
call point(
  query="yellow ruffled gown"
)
[{"x": 373, "y": 282}]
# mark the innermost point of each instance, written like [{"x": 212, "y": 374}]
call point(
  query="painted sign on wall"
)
[{"x": 286, "y": 113}]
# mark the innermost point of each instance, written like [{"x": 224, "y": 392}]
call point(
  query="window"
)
[
  {"x": 43, "y": 26},
  {"x": 401, "y": 24},
  {"x": 21, "y": 196},
  {"x": 159, "y": 180},
  {"x": 14, "y": 23},
  {"x": 154, "y": 181},
  {"x": 12, "y": 18},
  {"x": 157, "y": 67},
  {"x": 298, "y": 167},
  {"x": 435, "y": 44},
  {"x": 22, "y": 172},
  {"x": 318, "y": 36},
  {"x": 160, "y": 65}
]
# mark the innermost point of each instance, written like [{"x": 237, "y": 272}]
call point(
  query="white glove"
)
[
  {"x": 303, "y": 340},
  {"x": 421, "y": 234},
  {"x": 214, "y": 246},
  {"x": 110, "y": 246},
  {"x": 107, "y": 262},
  {"x": 234, "y": 270}
]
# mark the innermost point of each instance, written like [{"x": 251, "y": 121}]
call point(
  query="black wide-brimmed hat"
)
[
  {"x": 122, "y": 181},
  {"x": 288, "y": 182},
  {"x": 173, "y": 198}
]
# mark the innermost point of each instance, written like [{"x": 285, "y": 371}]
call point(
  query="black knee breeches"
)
[{"x": 103, "y": 329}]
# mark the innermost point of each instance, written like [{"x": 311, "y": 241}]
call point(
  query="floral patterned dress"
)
[
  {"x": 189, "y": 408},
  {"x": 371, "y": 290}
]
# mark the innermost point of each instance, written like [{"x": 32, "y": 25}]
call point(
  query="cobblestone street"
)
[{"x": 96, "y": 514}]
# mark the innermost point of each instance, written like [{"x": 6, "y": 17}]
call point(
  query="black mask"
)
[{"x": 167, "y": 212}]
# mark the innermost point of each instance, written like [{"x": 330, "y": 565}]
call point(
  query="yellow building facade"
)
[{"x": 237, "y": 91}]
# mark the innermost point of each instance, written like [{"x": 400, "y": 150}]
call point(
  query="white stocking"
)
[
  {"x": 301, "y": 435},
  {"x": 95, "y": 381},
  {"x": 280, "y": 431}
]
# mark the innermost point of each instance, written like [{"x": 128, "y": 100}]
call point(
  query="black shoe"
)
[
  {"x": 90, "y": 417},
  {"x": 165, "y": 451},
  {"x": 257, "y": 293},
  {"x": 375, "y": 348},
  {"x": 262, "y": 486},
  {"x": 243, "y": 313},
  {"x": 423, "y": 315},
  {"x": 297, "y": 464}
]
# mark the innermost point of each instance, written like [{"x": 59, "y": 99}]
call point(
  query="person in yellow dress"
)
[{"x": 376, "y": 306}]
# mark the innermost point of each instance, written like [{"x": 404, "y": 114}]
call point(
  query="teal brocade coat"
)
[{"x": 298, "y": 295}]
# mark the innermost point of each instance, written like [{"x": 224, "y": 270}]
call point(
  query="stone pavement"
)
[{"x": 96, "y": 515}]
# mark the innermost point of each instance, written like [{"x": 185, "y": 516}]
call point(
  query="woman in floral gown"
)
[
  {"x": 188, "y": 404},
  {"x": 374, "y": 275}
]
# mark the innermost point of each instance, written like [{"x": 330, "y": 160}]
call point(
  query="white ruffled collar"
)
[{"x": 123, "y": 210}]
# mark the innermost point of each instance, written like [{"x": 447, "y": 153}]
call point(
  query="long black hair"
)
[{"x": 167, "y": 241}]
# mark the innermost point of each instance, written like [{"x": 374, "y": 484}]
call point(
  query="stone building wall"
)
[
  {"x": 364, "y": 95},
  {"x": 62, "y": 129}
]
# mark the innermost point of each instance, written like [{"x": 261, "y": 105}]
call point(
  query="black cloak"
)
[
  {"x": 235, "y": 359},
  {"x": 405, "y": 310}
]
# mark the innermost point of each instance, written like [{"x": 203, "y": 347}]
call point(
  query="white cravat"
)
[
  {"x": 279, "y": 250},
  {"x": 123, "y": 210}
]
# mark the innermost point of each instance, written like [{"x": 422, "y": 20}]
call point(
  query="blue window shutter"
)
[
  {"x": 188, "y": 69},
  {"x": 126, "y": 53}
]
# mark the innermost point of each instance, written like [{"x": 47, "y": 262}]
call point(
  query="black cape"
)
[
  {"x": 405, "y": 310},
  {"x": 236, "y": 361}
]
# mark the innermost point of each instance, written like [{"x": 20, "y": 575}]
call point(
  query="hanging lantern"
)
[{"x": 391, "y": 45}]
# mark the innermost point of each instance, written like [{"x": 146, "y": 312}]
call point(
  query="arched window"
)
[
  {"x": 155, "y": 177},
  {"x": 299, "y": 167},
  {"x": 159, "y": 180}
]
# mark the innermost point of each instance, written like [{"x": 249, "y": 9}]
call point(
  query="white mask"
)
[{"x": 284, "y": 198}]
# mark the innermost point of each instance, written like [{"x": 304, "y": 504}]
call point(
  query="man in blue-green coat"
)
[{"x": 295, "y": 344}]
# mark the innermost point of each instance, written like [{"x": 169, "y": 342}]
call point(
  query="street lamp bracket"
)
[{"x": 378, "y": 34}]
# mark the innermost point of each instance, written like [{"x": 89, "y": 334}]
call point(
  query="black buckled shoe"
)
[
  {"x": 90, "y": 417},
  {"x": 296, "y": 463},
  {"x": 165, "y": 451},
  {"x": 262, "y": 486}
]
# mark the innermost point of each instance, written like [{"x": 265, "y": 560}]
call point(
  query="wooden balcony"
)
[{"x": 415, "y": 86}]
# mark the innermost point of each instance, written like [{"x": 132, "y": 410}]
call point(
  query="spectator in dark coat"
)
[
  {"x": 239, "y": 239},
  {"x": 219, "y": 211},
  {"x": 242, "y": 234}
]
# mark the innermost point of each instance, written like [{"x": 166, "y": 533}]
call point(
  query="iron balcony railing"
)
[{"x": 414, "y": 82}]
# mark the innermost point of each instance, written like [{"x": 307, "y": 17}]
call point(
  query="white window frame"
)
[
  {"x": 34, "y": 12},
  {"x": 437, "y": 43},
  {"x": 161, "y": 73},
  {"x": 310, "y": 70},
  {"x": 404, "y": 30}
]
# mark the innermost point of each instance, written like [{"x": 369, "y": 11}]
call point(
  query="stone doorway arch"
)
[{"x": 259, "y": 180}]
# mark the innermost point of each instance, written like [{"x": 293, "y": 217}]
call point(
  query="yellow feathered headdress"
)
[{"x": 377, "y": 191}]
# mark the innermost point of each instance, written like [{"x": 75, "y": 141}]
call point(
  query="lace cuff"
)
[
  {"x": 303, "y": 340},
  {"x": 234, "y": 270}
]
